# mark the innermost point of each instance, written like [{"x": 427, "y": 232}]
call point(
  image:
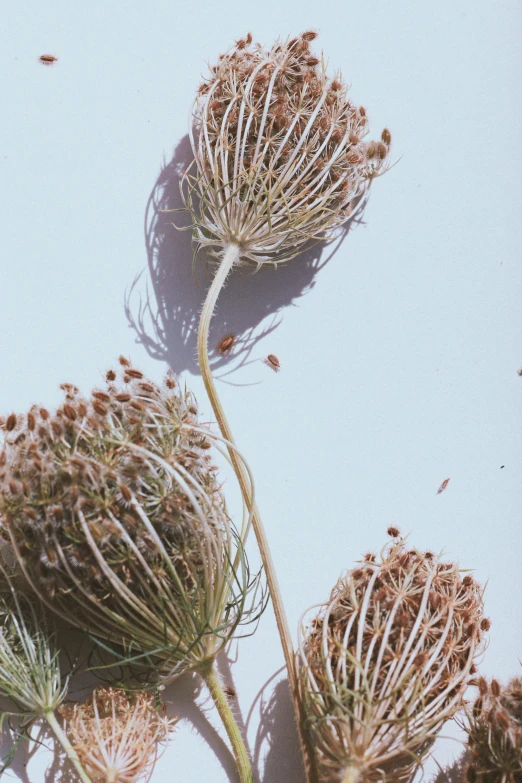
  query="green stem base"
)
[{"x": 209, "y": 674}]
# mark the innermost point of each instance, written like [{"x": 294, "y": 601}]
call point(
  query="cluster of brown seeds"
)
[
  {"x": 113, "y": 509},
  {"x": 495, "y": 733},
  {"x": 116, "y": 735},
  {"x": 387, "y": 660},
  {"x": 279, "y": 148}
]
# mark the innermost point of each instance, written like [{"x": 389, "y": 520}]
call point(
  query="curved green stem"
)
[
  {"x": 209, "y": 674},
  {"x": 231, "y": 256},
  {"x": 61, "y": 736}
]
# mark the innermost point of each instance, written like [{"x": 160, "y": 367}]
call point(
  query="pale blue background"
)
[{"x": 399, "y": 365}]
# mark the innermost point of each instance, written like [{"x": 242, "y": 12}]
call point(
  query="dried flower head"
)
[
  {"x": 386, "y": 662},
  {"x": 494, "y": 726},
  {"x": 279, "y": 152},
  {"x": 116, "y": 735},
  {"x": 115, "y": 515}
]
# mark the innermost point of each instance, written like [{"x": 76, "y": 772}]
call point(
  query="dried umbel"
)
[
  {"x": 386, "y": 661},
  {"x": 279, "y": 150},
  {"x": 114, "y": 513},
  {"x": 117, "y": 736},
  {"x": 115, "y": 516},
  {"x": 494, "y": 726}
]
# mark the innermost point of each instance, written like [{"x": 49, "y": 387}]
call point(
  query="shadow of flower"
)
[{"x": 166, "y": 324}]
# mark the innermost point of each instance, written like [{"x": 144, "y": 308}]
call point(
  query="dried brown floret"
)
[{"x": 116, "y": 735}]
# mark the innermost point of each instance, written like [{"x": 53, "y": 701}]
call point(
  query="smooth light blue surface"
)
[{"x": 399, "y": 357}]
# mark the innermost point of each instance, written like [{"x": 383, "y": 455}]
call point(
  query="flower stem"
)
[
  {"x": 60, "y": 735},
  {"x": 209, "y": 674},
  {"x": 231, "y": 255}
]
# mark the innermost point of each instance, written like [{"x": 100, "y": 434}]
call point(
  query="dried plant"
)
[
  {"x": 116, "y": 736},
  {"x": 115, "y": 515},
  {"x": 386, "y": 661},
  {"x": 30, "y": 675},
  {"x": 279, "y": 151},
  {"x": 494, "y": 726},
  {"x": 280, "y": 161}
]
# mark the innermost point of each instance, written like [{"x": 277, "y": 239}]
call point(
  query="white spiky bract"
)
[{"x": 385, "y": 663}]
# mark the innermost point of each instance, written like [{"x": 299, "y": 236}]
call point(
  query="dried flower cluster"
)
[
  {"x": 279, "y": 150},
  {"x": 494, "y": 729},
  {"x": 115, "y": 735},
  {"x": 386, "y": 662},
  {"x": 114, "y": 513}
]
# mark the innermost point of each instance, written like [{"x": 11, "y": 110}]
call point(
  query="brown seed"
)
[
  {"x": 48, "y": 59},
  {"x": 394, "y": 532},
  {"x": 137, "y": 406},
  {"x": 44, "y": 414},
  {"x": 309, "y": 35},
  {"x": 147, "y": 388},
  {"x": 31, "y": 421},
  {"x": 312, "y": 61},
  {"x": 133, "y": 373},
  {"x": 57, "y": 430},
  {"x": 520, "y": 371},
  {"x": 99, "y": 407},
  {"x": 443, "y": 486},
  {"x": 273, "y": 362},
  {"x": 485, "y": 624},
  {"x": 123, "y": 361},
  {"x": 102, "y": 396},
  {"x": 69, "y": 412},
  {"x": 125, "y": 491},
  {"x": 495, "y": 688},
  {"x": 336, "y": 85},
  {"x": 122, "y": 397},
  {"x": 226, "y": 343},
  {"x": 386, "y": 136},
  {"x": 10, "y": 423},
  {"x": 110, "y": 375},
  {"x": 170, "y": 383}
]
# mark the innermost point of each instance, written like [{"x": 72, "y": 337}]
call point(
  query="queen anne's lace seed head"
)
[
  {"x": 494, "y": 726},
  {"x": 115, "y": 515},
  {"x": 386, "y": 661},
  {"x": 279, "y": 151},
  {"x": 116, "y": 735}
]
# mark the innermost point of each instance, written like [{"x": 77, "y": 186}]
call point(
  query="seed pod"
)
[{"x": 383, "y": 666}]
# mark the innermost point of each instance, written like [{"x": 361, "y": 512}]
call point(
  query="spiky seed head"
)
[
  {"x": 279, "y": 152},
  {"x": 116, "y": 735},
  {"x": 386, "y": 661},
  {"x": 115, "y": 514},
  {"x": 494, "y": 727},
  {"x": 29, "y": 667}
]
